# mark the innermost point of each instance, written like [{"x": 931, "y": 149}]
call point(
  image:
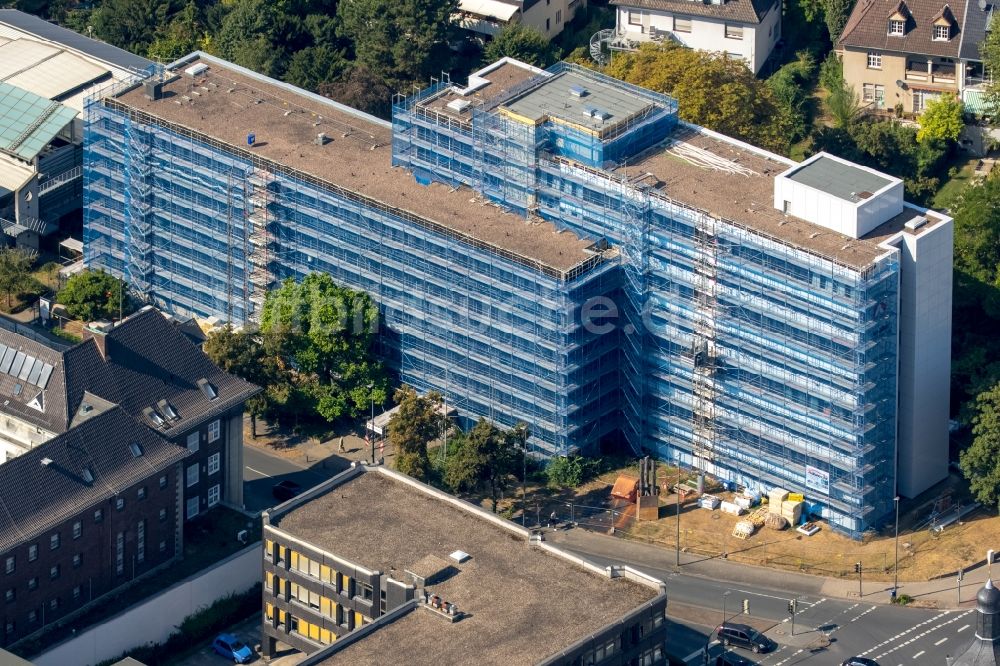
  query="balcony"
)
[{"x": 937, "y": 73}]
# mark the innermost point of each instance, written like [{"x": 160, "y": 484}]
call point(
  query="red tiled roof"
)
[{"x": 868, "y": 27}]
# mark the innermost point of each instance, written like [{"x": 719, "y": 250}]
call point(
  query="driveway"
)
[{"x": 261, "y": 470}]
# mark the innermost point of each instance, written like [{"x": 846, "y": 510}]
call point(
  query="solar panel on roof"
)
[
  {"x": 43, "y": 379},
  {"x": 16, "y": 365},
  {"x": 3, "y": 349},
  {"x": 36, "y": 370},
  {"x": 8, "y": 358},
  {"x": 29, "y": 362}
]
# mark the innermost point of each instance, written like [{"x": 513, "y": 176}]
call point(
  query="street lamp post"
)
[
  {"x": 677, "y": 495},
  {"x": 724, "y": 595},
  {"x": 371, "y": 424},
  {"x": 895, "y": 567}
]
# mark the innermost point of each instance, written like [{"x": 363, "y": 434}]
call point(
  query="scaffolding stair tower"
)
[
  {"x": 635, "y": 256},
  {"x": 261, "y": 196},
  {"x": 704, "y": 353},
  {"x": 138, "y": 228}
]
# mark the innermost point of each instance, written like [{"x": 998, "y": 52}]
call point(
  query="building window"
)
[
  {"x": 192, "y": 475},
  {"x": 558, "y": 16},
  {"x": 213, "y": 463},
  {"x": 366, "y": 591},
  {"x": 140, "y": 541},
  {"x": 76, "y": 593},
  {"x": 163, "y": 515},
  {"x": 874, "y": 60},
  {"x": 194, "y": 442},
  {"x": 734, "y": 31},
  {"x": 942, "y": 32},
  {"x": 99, "y": 515},
  {"x": 9, "y": 568},
  {"x": 635, "y": 18},
  {"x": 873, "y": 93},
  {"x": 10, "y": 594},
  {"x": 213, "y": 495},
  {"x": 54, "y": 571},
  {"x": 33, "y": 583},
  {"x": 119, "y": 503},
  {"x": 77, "y": 560},
  {"x": 163, "y": 546},
  {"x": 141, "y": 493},
  {"x": 192, "y": 508},
  {"x": 897, "y": 27},
  {"x": 214, "y": 429},
  {"x": 120, "y": 553},
  {"x": 163, "y": 482},
  {"x": 54, "y": 603},
  {"x": 33, "y": 552},
  {"x": 54, "y": 541},
  {"x": 77, "y": 529},
  {"x": 682, "y": 24}
]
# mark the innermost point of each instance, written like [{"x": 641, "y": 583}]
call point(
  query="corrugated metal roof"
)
[
  {"x": 19, "y": 55},
  {"x": 13, "y": 175},
  {"x": 28, "y": 122},
  {"x": 55, "y": 76},
  {"x": 75, "y": 41}
]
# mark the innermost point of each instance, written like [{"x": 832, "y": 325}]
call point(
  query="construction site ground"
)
[{"x": 923, "y": 554}]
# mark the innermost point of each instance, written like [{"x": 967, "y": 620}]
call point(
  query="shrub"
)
[{"x": 572, "y": 471}]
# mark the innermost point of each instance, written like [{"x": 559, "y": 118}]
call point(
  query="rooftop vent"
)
[
  {"x": 578, "y": 91},
  {"x": 916, "y": 223},
  {"x": 195, "y": 70},
  {"x": 87, "y": 475},
  {"x": 589, "y": 111},
  {"x": 460, "y": 556},
  {"x": 207, "y": 389},
  {"x": 459, "y": 105},
  {"x": 321, "y": 139},
  {"x": 601, "y": 114},
  {"x": 135, "y": 449},
  {"x": 46, "y": 462}
]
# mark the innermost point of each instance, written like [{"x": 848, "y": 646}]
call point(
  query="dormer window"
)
[
  {"x": 942, "y": 33},
  {"x": 897, "y": 28}
]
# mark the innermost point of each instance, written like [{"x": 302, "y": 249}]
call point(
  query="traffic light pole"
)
[
  {"x": 792, "y": 605},
  {"x": 858, "y": 567}
]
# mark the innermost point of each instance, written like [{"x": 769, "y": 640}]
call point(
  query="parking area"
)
[{"x": 247, "y": 631}]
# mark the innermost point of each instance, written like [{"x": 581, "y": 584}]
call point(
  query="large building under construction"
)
[{"x": 554, "y": 247}]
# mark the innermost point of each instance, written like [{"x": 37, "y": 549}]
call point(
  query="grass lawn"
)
[{"x": 946, "y": 196}]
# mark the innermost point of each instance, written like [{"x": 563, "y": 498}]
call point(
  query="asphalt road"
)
[
  {"x": 262, "y": 470},
  {"x": 892, "y": 635}
]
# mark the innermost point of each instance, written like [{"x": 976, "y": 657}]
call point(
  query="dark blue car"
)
[{"x": 232, "y": 648}]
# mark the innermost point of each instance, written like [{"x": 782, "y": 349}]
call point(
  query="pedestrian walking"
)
[{"x": 342, "y": 449}]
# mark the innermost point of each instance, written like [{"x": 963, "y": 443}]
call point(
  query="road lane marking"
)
[
  {"x": 257, "y": 471},
  {"x": 941, "y": 641},
  {"x": 919, "y": 654},
  {"x": 963, "y": 627}
]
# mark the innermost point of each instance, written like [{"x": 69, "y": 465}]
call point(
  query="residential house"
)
[
  {"x": 745, "y": 29},
  {"x": 488, "y": 17},
  {"x": 903, "y": 53}
]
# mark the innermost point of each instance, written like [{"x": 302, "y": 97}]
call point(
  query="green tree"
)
[
  {"x": 485, "y": 457},
  {"x": 362, "y": 89},
  {"x": 980, "y": 462},
  {"x": 989, "y": 51},
  {"x": 942, "y": 120},
  {"x": 399, "y": 40},
  {"x": 131, "y": 24},
  {"x": 15, "y": 271},
  {"x": 523, "y": 42},
  {"x": 712, "y": 90},
  {"x": 835, "y": 13},
  {"x": 418, "y": 421},
  {"x": 313, "y": 66},
  {"x": 844, "y": 105},
  {"x": 792, "y": 86},
  {"x": 93, "y": 295},
  {"x": 323, "y": 335},
  {"x": 251, "y": 36},
  {"x": 244, "y": 354},
  {"x": 184, "y": 33}
]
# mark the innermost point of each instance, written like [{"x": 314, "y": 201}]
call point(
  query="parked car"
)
[
  {"x": 730, "y": 659},
  {"x": 741, "y": 635},
  {"x": 285, "y": 490},
  {"x": 233, "y": 648},
  {"x": 859, "y": 661}
]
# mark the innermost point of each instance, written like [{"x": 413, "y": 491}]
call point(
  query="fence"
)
[{"x": 153, "y": 620}]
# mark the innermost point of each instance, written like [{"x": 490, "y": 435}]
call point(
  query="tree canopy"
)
[
  {"x": 980, "y": 462},
  {"x": 485, "y": 457},
  {"x": 412, "y": 427},
  {"x": 246, "y": 354},
  {"x": 93, "y": 295},
  {"x": 523, "y": 42},
  {"x": 942, "y": 120},
  {"x": 323, "y": 335},
  {"x": 712, "y": 90},
  {"x": 15, "y": 271}
]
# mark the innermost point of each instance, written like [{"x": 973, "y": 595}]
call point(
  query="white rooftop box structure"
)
[{"x": 839, "y": 195}]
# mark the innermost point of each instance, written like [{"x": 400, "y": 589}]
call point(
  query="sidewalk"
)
[{"x": 942, "y": 593}]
